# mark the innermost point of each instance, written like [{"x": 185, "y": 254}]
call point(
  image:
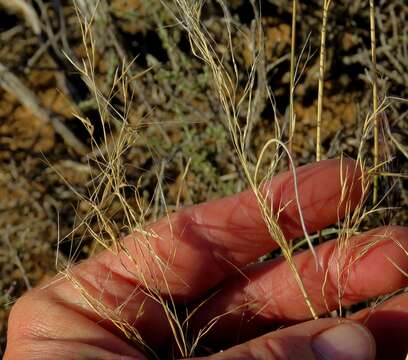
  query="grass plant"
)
[{"x": 116, "y": 206}]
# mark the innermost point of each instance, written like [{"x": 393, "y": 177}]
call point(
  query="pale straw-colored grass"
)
[{"x": 238, "y": 108}]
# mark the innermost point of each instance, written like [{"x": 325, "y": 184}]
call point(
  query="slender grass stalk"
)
[
  {"x": 292, "y": 78},
  {"x": 375, "y": 95},
  {"x": 326, "y": 4},
  {"x": 320, "y": 95},
  {"x": 287, "y": 250}
]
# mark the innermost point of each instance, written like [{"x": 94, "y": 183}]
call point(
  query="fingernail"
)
[{"x": 344, "y": 341}]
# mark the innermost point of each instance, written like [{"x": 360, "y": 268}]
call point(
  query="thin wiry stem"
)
[
  {"x": 281, "y": 240},
  {"x": 375, "y": 94},
  {"x": 326, "y": 5},
  {"x": 292, "y": 78}
]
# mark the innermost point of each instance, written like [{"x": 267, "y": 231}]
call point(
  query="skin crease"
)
[{"x": 203, "y": 248}]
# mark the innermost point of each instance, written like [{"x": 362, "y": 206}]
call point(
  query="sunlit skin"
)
[{"x": 212, "y": 247}]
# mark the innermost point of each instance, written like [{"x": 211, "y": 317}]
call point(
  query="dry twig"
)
[
  {"x": 26, "y": 10},
  {"x": 12, "y": 84}
]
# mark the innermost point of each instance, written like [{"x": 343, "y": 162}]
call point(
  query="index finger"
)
[{"x": 200, "y": 246}]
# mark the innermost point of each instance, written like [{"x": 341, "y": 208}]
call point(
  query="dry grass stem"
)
[
  {"x": 292, "y": 119},
  {"x": 326, "y": 5},
  {"x": 375, "y": 95}
]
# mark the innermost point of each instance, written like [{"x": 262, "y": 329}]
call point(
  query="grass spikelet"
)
[{"x": 224, "y": 85}]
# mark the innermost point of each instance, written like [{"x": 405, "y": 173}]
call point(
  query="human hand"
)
[{"x": 211, "y": 246}]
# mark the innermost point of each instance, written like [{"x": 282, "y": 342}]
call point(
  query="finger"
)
[
  {"x": 270, "y": 295},
  {"x": 202, "y": 245},
  {"x": 388, "y": 322},
  {"x": 41, "y": 327},
  {"x": 319, "y": 339}
]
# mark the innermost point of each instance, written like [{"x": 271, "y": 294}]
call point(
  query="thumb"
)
[{"x": 324, "y": 339}]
